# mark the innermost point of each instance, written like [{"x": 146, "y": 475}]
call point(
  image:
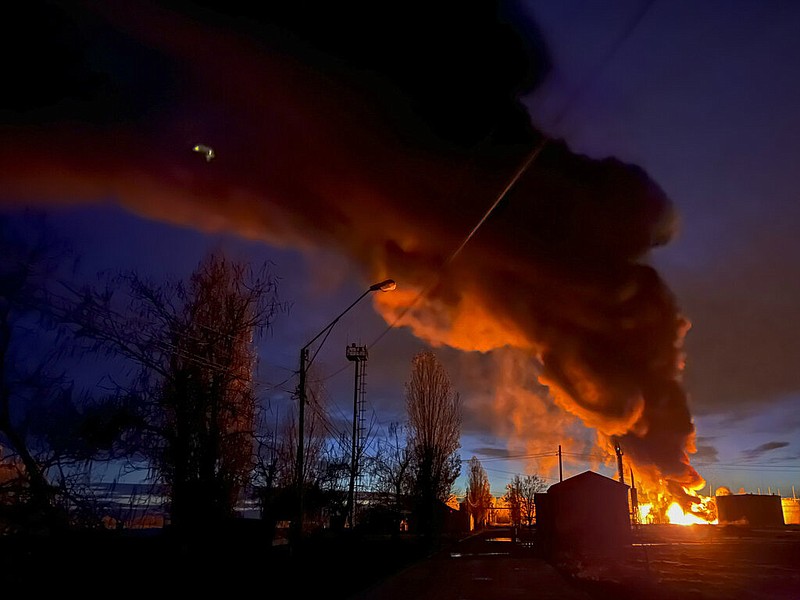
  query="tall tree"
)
[
  {"x": 434, "y": 421},
  {"x": 208, "y": 401},
  {"x": 194, "y": 343},
  {"x": 479, "y": 495}
]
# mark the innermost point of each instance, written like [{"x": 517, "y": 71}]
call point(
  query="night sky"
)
[{"x": 638, "y": 280}]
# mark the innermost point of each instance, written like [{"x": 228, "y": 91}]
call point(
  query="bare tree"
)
[
  {"x": 208, "y": 402},
  {"x": 392, "y": 471},
  {"x": 479, "y": 495},
  {"x": 52, "y": 435},
  {"x": 274, "y": 467},
  {"x": 194, "y": 344},
  {"x": 520, "y": 495},
  {"x": 30, "y": 382},
  {"x": 393, "y": 463},
  {"x": 325, "y": 463},
  {"x": 434, "y": 420}
]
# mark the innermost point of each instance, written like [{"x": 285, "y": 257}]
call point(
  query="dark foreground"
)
[
  {"x": 665, "y": 562},
  {"x": 701, "y": 562},
  {"x": 239, "y": 561}
]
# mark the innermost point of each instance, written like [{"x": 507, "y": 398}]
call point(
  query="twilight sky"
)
[{"x": 652, "y": 228}]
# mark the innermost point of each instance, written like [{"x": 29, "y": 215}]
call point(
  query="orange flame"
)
[
  {"x": 662, "y": 507},
  {"x": 677, "y": 516}
]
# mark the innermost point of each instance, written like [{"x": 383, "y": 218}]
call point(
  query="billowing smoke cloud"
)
[{"x": 385, "y": 136}]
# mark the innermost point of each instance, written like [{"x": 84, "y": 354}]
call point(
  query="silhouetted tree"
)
[
  {"x": 391, "y": 468},
  {"x": 30, "y": 383},
  {"x": 520, "y": 495},
  {"x": 272, "y": 473},
  {"x": 275, "y": 473},
  {"x": 194, "y": 343},
  {"x": 434, "y": 421},
  {"x": 479, "y": 495},
  {"x": 50, "y": 434},
  {"x": 513, "y": 498},
  {"x": 326, "y": 460}
]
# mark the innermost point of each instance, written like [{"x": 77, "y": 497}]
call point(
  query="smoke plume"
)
[{"x": 385, "y": 136}]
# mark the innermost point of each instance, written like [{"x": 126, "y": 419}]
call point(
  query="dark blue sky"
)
[
  {"x": 349, "y": 150},
  {"x": 703, "y": 96}
]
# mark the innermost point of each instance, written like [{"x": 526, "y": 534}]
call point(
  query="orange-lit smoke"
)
[{"x": 319, "y": 153}]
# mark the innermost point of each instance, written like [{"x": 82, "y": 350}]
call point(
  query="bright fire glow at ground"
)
[{"x": 675, "y": 515}]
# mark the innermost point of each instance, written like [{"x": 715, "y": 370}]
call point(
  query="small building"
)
[
  {"x": 587, "y": 514},
  {"x": 753, "y": 510}
]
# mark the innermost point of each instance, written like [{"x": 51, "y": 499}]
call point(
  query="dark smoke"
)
[{"x": 384, "y": 131}]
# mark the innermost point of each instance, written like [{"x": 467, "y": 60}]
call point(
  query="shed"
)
[{"x": 586, "y": 514}]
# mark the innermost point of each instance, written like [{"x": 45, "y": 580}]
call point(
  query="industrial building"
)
[
  {"x": 587, "y": 514},
  {"x": 753, "y": 510}
]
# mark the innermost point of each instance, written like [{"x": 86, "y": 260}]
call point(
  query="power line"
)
[
  {"x": 635, "y": 21},
  {"x": 532, "y": 156},
  {"x": 514, "y": 457}
]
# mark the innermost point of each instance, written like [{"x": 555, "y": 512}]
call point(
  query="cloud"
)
[
  {"x": 763, "y": 449},
  {"x": 386, "y": 137},
  {"x": 491, "y": 452},
  {"x": 706, "y": 454},
  {"x": 777, "y": 415}
]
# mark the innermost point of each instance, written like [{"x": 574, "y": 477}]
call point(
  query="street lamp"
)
[{"x": 384, "y": 286}]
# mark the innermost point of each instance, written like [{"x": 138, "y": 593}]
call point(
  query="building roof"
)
[{"x": 586, "y": 479}]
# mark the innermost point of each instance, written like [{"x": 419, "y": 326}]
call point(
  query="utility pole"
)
[
  {"x": 619, "y": 461},
  {"x": 560, "y": 470},
  {"x": 297, "y": 523}
]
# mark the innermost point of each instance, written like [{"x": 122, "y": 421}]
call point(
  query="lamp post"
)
[{"x": 384, "y": 286}]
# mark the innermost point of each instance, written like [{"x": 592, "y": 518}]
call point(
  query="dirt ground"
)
[{"x": 699, "y": 562}]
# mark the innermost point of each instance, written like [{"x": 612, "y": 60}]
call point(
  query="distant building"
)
[
  {"x": 586, "y": 514},
  {"x": 754, "y": 510}
]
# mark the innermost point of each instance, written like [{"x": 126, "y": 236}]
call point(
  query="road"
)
[{"x": 493, "y": 564}]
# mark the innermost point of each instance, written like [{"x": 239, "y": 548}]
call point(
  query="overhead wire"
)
[
  {"x": 531, "y": 157},
  {"x": 521, "y": 170}
]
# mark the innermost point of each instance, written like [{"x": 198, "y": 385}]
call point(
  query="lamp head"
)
[{"x": 385, "y": 286}]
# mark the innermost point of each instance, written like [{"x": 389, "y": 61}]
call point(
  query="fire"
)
[
  {"x": 644, "y": 512},
  {"x": 677, "y": 516},
  {"x": 661, "y": 503}
]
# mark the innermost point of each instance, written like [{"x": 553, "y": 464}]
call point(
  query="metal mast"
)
[{"x": 357, "y": 354}]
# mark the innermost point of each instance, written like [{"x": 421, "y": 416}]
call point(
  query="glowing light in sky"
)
[{"x": 206, "y": 150}]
